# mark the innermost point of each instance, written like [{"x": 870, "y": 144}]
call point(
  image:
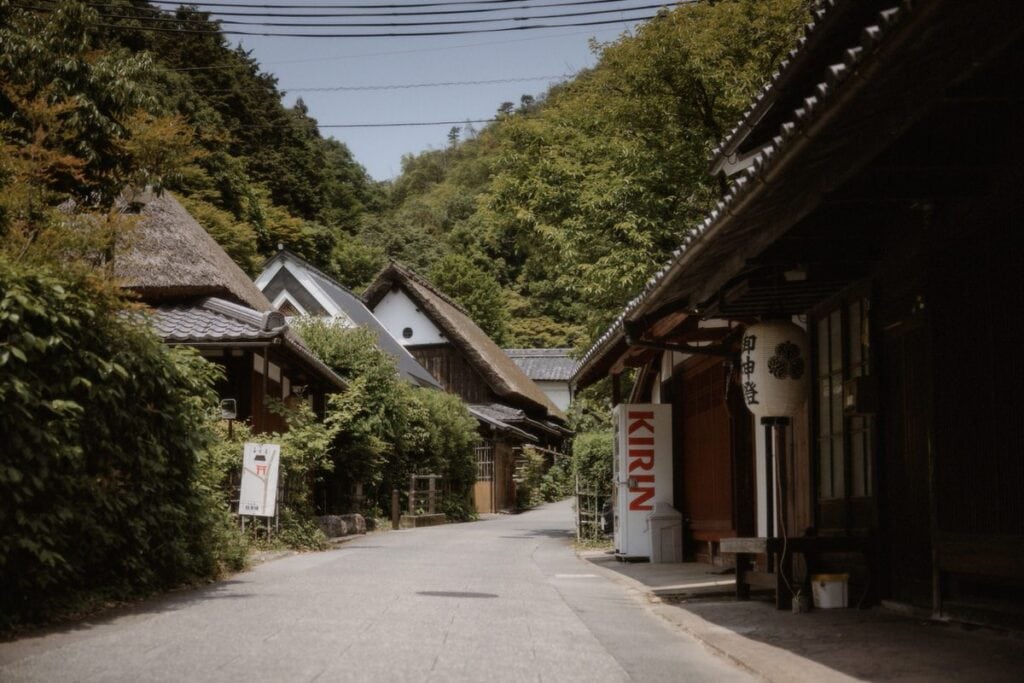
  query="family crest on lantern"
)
[{"x": 787, "y": 361}]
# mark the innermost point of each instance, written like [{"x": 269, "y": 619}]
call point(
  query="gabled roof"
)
[
  {"x": 213, "y": 321},
  {"x": 501, "y": 373},
  {"x": 882, "y": 72},
  {"x": 333, "y": 295},
  {"x": 546, "y": 365},
  {"x": 170, "y": 256}
]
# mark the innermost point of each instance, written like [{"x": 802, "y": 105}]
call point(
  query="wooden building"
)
[
  {"x": 511, "y": 409},
  {"x": 872, "y": 198},
  {"x": 197, "y": 296}
]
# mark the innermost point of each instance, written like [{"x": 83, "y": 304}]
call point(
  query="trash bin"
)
[
  {"x": 830, "y": 590},
  {"x": 666, "y": 525}
]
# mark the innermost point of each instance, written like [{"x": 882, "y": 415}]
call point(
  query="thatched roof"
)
[
  {"x": 501, "y": 373},
  {"x": 171, "y": 256}
]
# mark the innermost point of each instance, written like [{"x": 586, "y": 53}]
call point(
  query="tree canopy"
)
[{"x": 571, "y": 201}]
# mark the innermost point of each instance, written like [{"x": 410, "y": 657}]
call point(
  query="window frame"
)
[{"x": 850, "y": 501}]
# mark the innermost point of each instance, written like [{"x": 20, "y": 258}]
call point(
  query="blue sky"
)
[{"x": 320, "y": 63}]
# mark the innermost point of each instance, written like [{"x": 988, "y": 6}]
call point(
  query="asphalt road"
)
[{"x": 504, "y": 599}]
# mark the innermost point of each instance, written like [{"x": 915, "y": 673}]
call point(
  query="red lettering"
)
[
  {"x": 641, "y": 460},
  {"x": 646, "y": 493},
  {"x": 641, "y": 421}
]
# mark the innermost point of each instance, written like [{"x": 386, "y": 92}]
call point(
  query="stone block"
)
[{"x": 335, "y": 526}]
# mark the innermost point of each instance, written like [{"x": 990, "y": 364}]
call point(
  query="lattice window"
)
[{"x": 484, "y": 462}]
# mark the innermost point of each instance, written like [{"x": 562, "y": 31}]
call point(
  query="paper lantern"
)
[{"x": 775, "y": 368}]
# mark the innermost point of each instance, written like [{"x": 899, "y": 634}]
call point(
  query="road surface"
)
[{"x": 504, "y": 599}]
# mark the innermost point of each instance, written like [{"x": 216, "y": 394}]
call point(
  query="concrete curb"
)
[{"x": 760, "y": 659}]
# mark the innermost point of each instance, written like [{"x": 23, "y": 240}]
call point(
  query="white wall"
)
[
  {"x": 558, "y": 392},
  {"x": 396, "y": 311}
]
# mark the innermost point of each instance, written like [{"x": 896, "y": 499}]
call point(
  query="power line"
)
[
  {"x": 405, "y": 34},
  {"x": 444, "y": 22},
  {"x": 315, "y": 6},
  {"x": 328, "y": 15},
  {"x": 386, "y": 53},
  {"x": 407, "y": 123},
  {"x": 405, "y": 86}
]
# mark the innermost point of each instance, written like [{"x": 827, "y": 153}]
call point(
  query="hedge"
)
[{"x": 102, "y": 487}]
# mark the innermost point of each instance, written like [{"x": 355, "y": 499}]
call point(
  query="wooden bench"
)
[{"x": 779, "y": 580}]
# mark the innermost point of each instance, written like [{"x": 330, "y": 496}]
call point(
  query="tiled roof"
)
[
  {"x": 498, "y": 415},
  {"x": 544, "y": 364},
  {"x": 754, "y": 177},
  {"x": 762, "y": 101},
  {"x": 212, "y": 320}
]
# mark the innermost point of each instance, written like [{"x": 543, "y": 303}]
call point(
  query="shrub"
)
[
  {"x": 385, "y": 430},
  {"x": 105, "y": 488},
  {"x": 592, "y": 461},
  {"x": 557, "y": 482}
]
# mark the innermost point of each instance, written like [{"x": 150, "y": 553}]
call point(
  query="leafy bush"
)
[
  {"x": 558, "y": 481},
  {"x": 592, "y": 461},
  {"x": 537, "y": 483},
  {"x": 104, "y": 488},
  {"x": 386, "y": 430}
]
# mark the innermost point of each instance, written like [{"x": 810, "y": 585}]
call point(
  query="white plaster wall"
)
[
  {"x": 396, "y": 311},
  {"x": 558, "y": 392}
]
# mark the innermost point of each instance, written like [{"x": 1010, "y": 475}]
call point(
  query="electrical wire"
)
[
  {"x": 328, "y": 15},
  {"x": 403, "y": 34},
  {"x": 406, "y": 86},
  {"x": 316, "y": 6},
  {"x": 441, "y": 22},
  {"x": 216, "y": 31},
  {"x": 407, "y": 123},
  {"x": 387, "y": 53}
]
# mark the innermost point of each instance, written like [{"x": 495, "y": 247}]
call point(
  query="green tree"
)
[{"x": 476, "y": 290}]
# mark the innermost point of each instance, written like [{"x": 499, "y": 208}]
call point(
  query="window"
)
[
  {"x": 842, "y": 343},
  {"x": 484, "y": 462}
]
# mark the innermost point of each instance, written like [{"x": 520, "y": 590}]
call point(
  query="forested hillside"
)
[
  {"x": 199, "y": 117},
  {"x": 542, "y": 224},
  {"x": 546, "y": 222}
]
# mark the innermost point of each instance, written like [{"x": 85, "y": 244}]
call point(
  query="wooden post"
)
[
  {"x": 616, "y": 389},
  {"x": 412, "y": 495},
  {"x": 769, "y": 487},
  {"x": 431, "y": 493},
  {"x": 396, "y": 511}
]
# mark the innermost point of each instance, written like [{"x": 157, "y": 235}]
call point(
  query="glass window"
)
[{"x": 844, "y": 441}]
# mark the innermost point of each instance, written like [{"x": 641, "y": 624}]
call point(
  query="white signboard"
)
[
  {"x": 643, "y": 472},
  {"x": 259, "y": 479}
]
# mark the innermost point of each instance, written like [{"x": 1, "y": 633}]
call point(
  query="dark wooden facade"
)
[
  {"x": 455, "y": 374},
  {"x": 883, "y": 217}
]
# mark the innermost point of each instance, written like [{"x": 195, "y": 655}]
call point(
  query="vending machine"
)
[{"x": 643, "y": 473}]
